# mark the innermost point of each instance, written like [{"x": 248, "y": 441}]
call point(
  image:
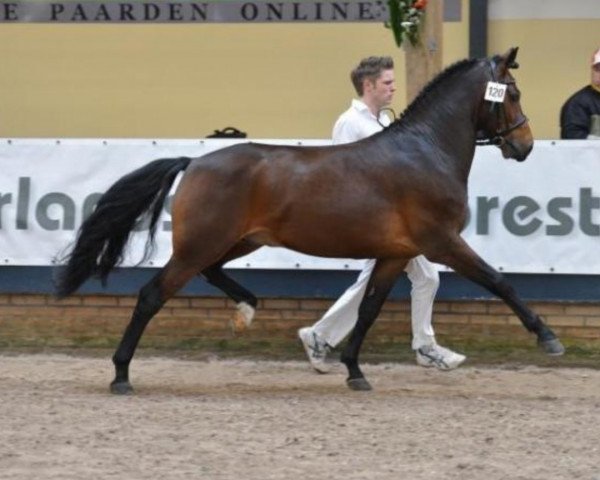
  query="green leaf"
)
[{"x": 395, "y": 21}]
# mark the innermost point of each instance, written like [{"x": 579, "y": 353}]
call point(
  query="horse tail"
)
[{"x": 102, "y": 237}]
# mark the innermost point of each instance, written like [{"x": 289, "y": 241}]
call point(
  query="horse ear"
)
[{"x": 510, "y": 57}]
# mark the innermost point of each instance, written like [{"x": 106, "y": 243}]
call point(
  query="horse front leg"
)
[
  {"x": 462, "y": 259},
  {"x": 381, "y": 282}
]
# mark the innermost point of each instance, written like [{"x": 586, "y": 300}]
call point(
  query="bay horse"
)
[{"x": 397, "y": 194}]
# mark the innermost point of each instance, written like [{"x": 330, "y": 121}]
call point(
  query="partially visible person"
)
[
  {"x": 374, "y": 82},
  {"x": 582, "y": 109}
]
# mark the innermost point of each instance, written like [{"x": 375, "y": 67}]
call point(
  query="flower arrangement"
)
[{"x": 405, "y": 19}]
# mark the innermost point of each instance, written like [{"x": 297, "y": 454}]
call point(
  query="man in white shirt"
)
[{"x": 373, "y": 80}]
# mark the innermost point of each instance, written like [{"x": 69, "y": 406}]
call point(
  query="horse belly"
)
[{"x": 354, "y": 237}]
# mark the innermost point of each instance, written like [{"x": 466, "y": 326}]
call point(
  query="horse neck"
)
[{"x": 447, "y": 117}]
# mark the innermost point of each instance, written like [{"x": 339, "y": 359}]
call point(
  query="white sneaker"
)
[
  {"x": 439, "y": 357},
  {"x": 316, "y": 349}
]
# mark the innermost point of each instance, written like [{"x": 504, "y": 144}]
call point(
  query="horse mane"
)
[{"x": 433, "y": 84}]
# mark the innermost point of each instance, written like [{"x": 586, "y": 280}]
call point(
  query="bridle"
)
[{"x": 499, "y": 137}]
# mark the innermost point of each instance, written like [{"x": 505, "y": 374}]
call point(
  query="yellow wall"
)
[
  {"x": 279, "y": 80},
  {"x": 180, "y": 81}
]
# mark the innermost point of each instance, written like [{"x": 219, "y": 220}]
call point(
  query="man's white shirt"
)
[{"x": 357, "y": 122}]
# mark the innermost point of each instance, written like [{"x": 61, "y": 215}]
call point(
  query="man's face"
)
[
  {"x": 596, "y": 75},
  {"x": 381, "y": 91}
]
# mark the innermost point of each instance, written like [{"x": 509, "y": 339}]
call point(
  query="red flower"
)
[{"x": 420, "y": 4}]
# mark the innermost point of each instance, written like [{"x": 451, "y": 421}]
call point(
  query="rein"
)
[{"x": 392, "y": 113}]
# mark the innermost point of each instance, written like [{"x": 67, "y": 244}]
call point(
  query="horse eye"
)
[{"x": 515, "y": 95}]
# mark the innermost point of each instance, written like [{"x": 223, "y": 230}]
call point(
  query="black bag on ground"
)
[{"x": 228, "y": 132}]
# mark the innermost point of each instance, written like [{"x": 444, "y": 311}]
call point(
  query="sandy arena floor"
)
[{"x": 262, "y": 420}]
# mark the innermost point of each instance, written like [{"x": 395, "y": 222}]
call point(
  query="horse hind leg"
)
[
  {"x": 151, "y": 299},
  {"x": 461, "y": 258},
  {"x": 246, "y": 301}
]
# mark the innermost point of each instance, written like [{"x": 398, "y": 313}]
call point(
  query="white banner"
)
[{"x": 539, "y": 216}]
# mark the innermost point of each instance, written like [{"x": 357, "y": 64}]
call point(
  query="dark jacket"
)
[{"x": 576, "y": 113}]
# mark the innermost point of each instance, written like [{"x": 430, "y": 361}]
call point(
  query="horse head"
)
[{"x": 501, "y": 120}]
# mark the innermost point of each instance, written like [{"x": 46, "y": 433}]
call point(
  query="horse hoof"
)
[
  {"x": 359, "y": 384},
  {"x": 242, "y": 318},
  {"x": 552, "y": 347},
  {"x": 121, "y": 388},
  {"x": 237, "y": 324}
]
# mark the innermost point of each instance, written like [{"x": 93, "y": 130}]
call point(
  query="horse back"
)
[{"x": 319, "y": 200}]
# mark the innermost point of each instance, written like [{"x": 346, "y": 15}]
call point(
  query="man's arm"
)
[{"x": 574, "y": 121}]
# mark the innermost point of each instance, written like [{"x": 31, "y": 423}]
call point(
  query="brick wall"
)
[{"x": 100, "y": 320}]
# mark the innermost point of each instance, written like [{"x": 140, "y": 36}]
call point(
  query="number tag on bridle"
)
[{"x": 495, "y": 92}]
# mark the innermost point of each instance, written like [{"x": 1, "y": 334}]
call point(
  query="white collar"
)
[{"x": 361, "y": 106}]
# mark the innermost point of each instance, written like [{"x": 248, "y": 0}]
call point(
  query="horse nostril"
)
[{"x": 525, "y": 151}]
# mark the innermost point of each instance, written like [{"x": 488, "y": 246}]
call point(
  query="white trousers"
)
[{"x": 340, "y": 319}]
